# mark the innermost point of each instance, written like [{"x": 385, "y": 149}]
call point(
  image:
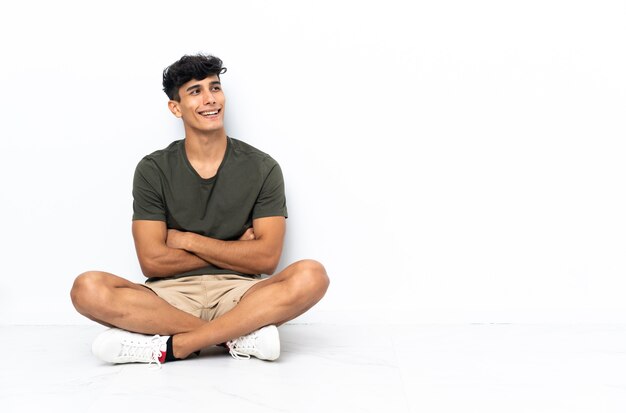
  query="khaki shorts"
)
[{"x": 204, "y": 296}]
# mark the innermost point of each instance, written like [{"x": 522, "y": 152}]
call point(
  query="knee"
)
[
  {"x": 312, "y": 278},
  {"x": 88, "y": 290}
]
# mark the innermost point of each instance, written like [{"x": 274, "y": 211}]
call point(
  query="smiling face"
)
[{"x": 201, "y": 106}]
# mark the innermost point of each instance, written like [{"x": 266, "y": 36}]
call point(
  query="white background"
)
[{"x": 448, "y": 161}]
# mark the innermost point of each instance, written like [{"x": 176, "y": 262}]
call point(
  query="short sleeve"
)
[
  {"x": 148, "y": 203},
  {"x": 271, "y": 200}
]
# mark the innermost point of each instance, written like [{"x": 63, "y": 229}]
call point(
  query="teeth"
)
[{"x": 209, "y": 113}]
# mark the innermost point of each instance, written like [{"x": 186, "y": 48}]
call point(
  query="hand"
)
[
  {"x": 176, "y": 239},
  {"x": 248, "y": 235}
]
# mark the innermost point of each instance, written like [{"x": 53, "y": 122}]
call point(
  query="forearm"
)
[
  {"x": 248, "y": 257},
  {"x": 171, "y": 261}
]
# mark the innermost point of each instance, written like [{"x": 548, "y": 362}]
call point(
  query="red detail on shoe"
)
[{"x": 162, "y": 358}]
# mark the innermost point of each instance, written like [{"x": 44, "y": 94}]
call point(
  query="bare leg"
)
[
  {"x": 114, "y": 301},
  {"x": 273, "y": 301}
]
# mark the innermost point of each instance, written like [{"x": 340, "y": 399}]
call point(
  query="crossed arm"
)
[{"x": 164, "y": 252}]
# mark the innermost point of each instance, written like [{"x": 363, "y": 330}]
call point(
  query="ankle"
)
[{"x": 179, "y": 348}]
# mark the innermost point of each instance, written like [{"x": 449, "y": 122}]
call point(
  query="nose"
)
[{"x": 209, "y": 98}]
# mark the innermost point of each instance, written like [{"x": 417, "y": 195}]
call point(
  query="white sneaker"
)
[
  {"x": 121, "y": 346},
  {"x": 263, "y": 344}
]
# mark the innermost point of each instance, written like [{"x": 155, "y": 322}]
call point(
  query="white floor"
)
[{"x": 331, "y": 368}]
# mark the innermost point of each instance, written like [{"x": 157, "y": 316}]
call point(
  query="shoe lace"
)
[
  {"x": 240, "y": 347},
  {"x": 149, "y": 351}
]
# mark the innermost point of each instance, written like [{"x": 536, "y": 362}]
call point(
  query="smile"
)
[{"x": 207, "y": 113}]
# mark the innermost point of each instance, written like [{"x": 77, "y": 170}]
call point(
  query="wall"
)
[{"x": 448, "y": 161}]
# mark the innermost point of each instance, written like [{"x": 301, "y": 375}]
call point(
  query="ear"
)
[{"x": 174, "y": 108}]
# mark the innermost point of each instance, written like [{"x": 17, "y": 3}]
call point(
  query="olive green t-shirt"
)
[{"x": 248, "y": 185}]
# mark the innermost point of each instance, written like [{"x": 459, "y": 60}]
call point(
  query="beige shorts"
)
[{"x": 204, "y": 296}]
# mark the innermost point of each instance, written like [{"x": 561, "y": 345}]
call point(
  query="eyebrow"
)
[{"x": 198, "y": 86}]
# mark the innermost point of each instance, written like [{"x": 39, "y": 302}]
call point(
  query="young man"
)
[{"x": 209, "y": 217}]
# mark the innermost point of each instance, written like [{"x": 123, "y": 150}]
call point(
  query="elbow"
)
[
  {"x": 269, "y": 265},
  {"x": 269, "y": 270},
  {"x": 147, "y": 271},
  {"x": 149, "y": 268}
]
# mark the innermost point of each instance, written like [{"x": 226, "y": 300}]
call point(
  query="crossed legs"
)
[{"x": 113, "y": 301}]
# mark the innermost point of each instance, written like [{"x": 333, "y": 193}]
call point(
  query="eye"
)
[
  {"x": 217, "y": 88},
  {"x": 194, "y": 92}
]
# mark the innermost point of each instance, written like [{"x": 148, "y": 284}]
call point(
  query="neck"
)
[{"x": 205, "y": 147}]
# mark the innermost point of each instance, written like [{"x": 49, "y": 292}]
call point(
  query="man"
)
[{"x": 209, "y": 217}]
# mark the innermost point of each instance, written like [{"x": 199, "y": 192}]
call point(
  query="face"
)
[{"x": 201, "y": 105}]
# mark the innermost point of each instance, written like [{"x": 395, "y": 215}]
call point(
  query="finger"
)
[{"x": 246, "y": 235}]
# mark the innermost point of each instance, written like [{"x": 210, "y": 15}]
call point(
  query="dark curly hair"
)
[{"x": 199, "y": 66}]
